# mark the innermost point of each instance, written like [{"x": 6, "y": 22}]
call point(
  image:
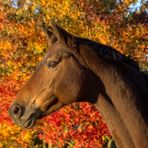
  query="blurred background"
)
[{"x": 121, "y": 24}]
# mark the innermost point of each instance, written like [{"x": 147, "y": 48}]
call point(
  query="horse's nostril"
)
[{"x": 16, "y": 110}]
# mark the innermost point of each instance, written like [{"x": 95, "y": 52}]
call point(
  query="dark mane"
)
[{"x": 108, "y": 53}]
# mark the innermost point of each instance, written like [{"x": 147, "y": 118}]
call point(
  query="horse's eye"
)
[{"x": 52, "y": 64}]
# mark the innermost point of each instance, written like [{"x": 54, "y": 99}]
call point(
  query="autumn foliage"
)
[{"x": 23, "y": 44}]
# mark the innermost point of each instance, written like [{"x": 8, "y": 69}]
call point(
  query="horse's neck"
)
[{"x": 120, "y": 100}]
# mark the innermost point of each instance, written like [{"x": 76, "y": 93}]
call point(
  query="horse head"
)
[
  {"x": 77, "y": 69},
  {"x": 59, "y": 79}
]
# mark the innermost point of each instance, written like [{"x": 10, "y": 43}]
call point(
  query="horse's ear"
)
[
  {"x": 54, "y": 33},
  {"x": 50, "y": 33},
  {"x": 63, "y": 35}
]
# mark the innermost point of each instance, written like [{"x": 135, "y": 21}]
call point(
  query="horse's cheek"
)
[
  {"x": 68, "y": 88},
  {"x": 66, "y": 91}
]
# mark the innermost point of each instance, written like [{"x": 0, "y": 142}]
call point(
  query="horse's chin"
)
[{"x": 28, "y": 124}]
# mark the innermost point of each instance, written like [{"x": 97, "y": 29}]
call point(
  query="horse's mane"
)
[
  {"x": 105, "y": 53},
  {"x": 108, "y": 53}
]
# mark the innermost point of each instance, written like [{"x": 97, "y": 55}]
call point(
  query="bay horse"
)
[{"x": 78, "y": 69}]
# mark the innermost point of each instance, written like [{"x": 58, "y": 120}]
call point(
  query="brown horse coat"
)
[{"x": 83, "y": 70}]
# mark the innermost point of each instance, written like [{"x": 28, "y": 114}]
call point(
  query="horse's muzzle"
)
[{"x": 24, "y": 116}]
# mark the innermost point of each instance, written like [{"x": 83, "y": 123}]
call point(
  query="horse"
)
[{"x": 78, "y": 69}]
